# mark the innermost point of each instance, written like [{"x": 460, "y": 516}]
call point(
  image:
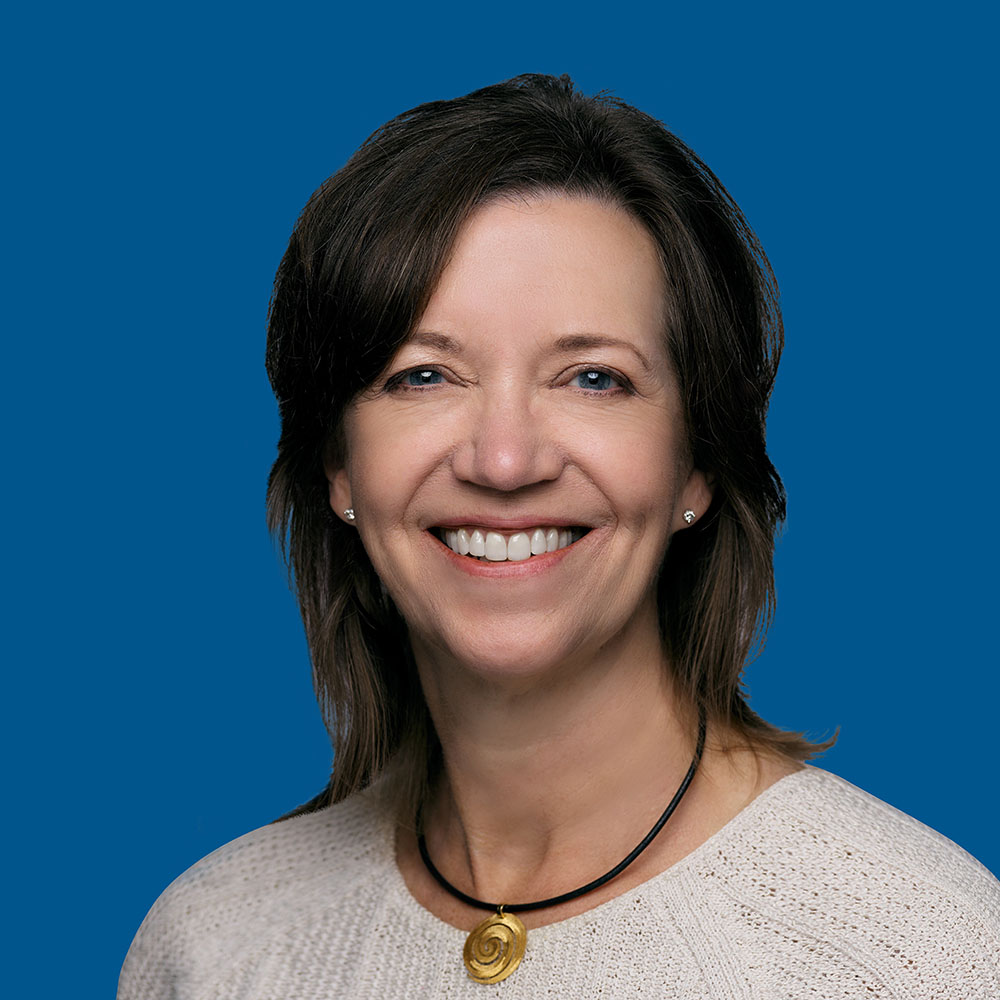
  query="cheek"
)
[
  {"x": 388, "y": 463},
  {"x": 642, "y": 470}
]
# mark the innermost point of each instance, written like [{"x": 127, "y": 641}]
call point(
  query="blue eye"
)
[
  {"x": 595, "y": 379},
  {"x": 422, "y": 376}
]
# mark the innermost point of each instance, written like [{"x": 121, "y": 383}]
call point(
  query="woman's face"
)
[{"x": 533, "y": 409}]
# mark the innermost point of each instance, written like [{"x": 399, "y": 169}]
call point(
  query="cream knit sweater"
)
[{"x": 815, "y": 890}]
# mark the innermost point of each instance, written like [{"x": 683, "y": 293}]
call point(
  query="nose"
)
[{"x": 507, "y": 445}]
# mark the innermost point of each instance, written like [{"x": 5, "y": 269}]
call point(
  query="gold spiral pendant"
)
[{"x": 495, "y": 947}]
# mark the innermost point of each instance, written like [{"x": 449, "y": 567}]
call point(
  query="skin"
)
[{"x": 546, "y": 679}]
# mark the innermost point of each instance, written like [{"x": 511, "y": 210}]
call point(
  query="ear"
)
[
  {"x": 696, "y": 496},
  {"x": 340, "y": 491}
]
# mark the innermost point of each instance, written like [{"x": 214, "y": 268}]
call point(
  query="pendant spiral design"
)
[{"x": 495, "y": 947}]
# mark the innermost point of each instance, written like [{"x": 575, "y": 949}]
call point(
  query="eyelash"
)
[
  {"x": 623, "y": 383},
  {"x": 396, "y": 383}
]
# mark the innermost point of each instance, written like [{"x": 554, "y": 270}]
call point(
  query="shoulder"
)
[
  {"x": 817, "y": 859},
  {"x": 253, "y": 888},
  {"x": 838, "y": 824}
]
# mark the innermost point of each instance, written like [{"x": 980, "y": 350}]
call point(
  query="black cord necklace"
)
[{"x": 495, "y": 947}]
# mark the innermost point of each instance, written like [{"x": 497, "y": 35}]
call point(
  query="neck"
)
[{"x": 551, "y": 780}]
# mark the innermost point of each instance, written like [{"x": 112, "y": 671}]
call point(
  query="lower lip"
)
[{"x": 521, "y": 569}]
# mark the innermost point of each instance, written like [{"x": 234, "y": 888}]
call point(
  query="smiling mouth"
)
[{"x": 515, "y": 546}]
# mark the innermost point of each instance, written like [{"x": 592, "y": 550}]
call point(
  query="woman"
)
[{"x": 523, "y": 344}]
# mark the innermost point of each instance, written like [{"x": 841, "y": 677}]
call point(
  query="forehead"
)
[{"x": 554, "y": 265}]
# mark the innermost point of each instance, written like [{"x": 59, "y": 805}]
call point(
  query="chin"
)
[{"x": 525, "y": 651}]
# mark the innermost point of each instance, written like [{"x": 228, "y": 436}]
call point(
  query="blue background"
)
[{"x": 158, "y": 697}]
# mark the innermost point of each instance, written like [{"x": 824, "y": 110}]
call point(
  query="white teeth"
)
[
  {"x": 521, "y": 545},
  {"x": 496, "y": 546},
  {"x": 518, "y": 547}
]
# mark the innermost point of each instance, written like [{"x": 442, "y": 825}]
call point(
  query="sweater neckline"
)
[{"x": 746, "y": 816}]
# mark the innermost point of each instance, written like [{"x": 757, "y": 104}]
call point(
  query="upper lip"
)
[{"x": 507, "y": 523}]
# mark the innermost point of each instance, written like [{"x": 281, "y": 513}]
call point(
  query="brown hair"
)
[{"x": 360, "y": 267}]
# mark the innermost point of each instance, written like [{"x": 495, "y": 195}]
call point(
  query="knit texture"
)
[{"x": 815, "y": 890}]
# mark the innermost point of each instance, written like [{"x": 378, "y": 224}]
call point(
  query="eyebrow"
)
[
  {"x": 439, "y": 341},
  {"x": 564, "y": 345},
  {"x": 582, "y": 341}
]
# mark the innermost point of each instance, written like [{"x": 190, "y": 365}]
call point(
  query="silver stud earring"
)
[
  {"x": 349, "y": 514},
  {"x": 689, "y": 516}
]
